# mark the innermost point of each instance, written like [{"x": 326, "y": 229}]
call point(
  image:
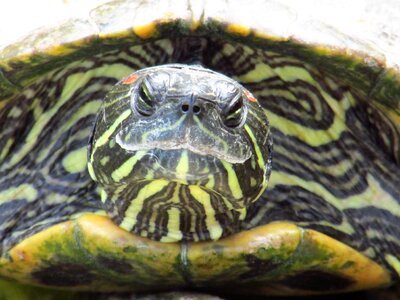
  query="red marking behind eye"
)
[
  {"x": 130, "y": 79},
  {"x": 250, "y": 96}
]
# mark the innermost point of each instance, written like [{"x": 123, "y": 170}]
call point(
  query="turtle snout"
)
[{"x": 192, "y": 106}]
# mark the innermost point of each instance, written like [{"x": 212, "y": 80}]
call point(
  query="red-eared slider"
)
[{"x": 218, "y": 146}]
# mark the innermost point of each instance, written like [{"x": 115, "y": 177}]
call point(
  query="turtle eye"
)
[
  {"x": 144, "y": 105},
  {"x": 234, "y": 115}
]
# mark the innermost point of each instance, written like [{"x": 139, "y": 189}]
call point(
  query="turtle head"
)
[{"x": 180, "y": 153}]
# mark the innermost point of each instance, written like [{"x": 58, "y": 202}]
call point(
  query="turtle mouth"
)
[
  {"x": 188, "y": 144},
  {"x": 187, "y": 134}
]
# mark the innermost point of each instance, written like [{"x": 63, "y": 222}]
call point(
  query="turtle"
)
[{"x": 214, "y": 147}]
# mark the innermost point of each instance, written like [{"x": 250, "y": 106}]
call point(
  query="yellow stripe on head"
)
[
  {"x": 136, "y": 205},
  {"x": 183, "y": 165},
  {"x": 204, "y": 198},
  {"x": 104, "y": 138},
  {"x": 260, "y": 158},
  {"x": 126, "y": 168},
  {"x": 233, "y": 181}
]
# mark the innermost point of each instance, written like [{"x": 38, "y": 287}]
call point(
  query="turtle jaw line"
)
[
  {"x": 186, "y": 144},
  {"x": 208, "y": 152}
]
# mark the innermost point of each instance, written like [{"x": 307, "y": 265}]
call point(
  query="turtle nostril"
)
[
  {"x": 185, "y": 107},
  {"x": 196, "y": 109}
]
